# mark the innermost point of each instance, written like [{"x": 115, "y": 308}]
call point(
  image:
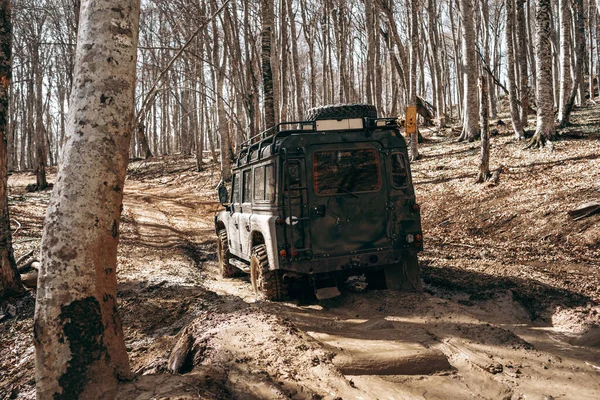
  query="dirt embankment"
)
[{"x": 510, "y": 307}]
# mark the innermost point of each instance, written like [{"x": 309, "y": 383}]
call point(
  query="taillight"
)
[
  {"x": 282, "y": 253},
  {"x": 416, "y": 207},
  {"x": 280, "y": 221},
  {"x": 419, "y": 237}
]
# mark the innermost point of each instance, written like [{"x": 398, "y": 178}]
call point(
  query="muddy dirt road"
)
[{"x": 510, "y": 308}]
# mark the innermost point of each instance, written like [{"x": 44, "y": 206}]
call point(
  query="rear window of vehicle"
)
[
  {"x": 346, "y": 171},
  {"x": 399, "y": 170}
]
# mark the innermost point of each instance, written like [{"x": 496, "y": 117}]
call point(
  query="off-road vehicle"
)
[{"x": 321, "y": 200}]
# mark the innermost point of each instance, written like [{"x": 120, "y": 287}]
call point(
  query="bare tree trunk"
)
[
  {"x": 544, "y": 97},
  {"x": 267, "y": 71},
  {"x": 591, "y": 22},
  {"x": 40, "y": 130},
  {"x": 579, "y": 42},
  {"x": 437, "y": 65},
  {"x": 521, "y": 36},
  {"x": 295, "y": 62},
  {"x": 470, "y": 101},
  {"x": 414, "y": 50},
  {"x": 512, "y": 87},
  {"x": 10, "y": 281},
  {"x": 484, "y": 161},
  {"x": 564, "y": 17},
  {"x": 80, "y": 348}
]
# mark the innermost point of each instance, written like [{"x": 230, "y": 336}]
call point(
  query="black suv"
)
[{"x": 323, "y": 199}]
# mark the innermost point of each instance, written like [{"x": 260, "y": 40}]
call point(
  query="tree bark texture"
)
[
  {"x": 579, "y": 44},
  {"x": 267, "y": 70},
  {"x": 564, "y": 22},
  {"x": 521, "y": 36},
  {"x": 510, "y": 71},
  {"x": 484, "y": 160},
  {"x": 414, "y": 51},
  {"x": 544, "y": 97},
  {"x": 10, "y": 281},
  {"x": 469, "y": 67},
  {"x": 80, "y": 349}
]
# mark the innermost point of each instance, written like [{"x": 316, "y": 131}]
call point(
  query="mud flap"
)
[
  {"x": 404, "y": 276},
  {"x": 326, "y": 288}
]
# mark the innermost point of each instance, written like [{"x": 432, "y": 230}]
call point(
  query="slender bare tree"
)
[
  {"x": 544, "y": 96},
  {"x": 510, "y": 71},
  {"x": 469, "y": 68},
  {"x": 10, "y": 282}
]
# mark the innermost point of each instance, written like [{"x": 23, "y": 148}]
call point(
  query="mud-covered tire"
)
[
  {"x": 404, "y": 276},
  {"x": 342, "y": 111},
  {"x": 226, "y": 270},
  {"x": 267, "y": 284}
]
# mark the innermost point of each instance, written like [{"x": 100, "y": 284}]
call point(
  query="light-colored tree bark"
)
[
  {"x": 469, "y": 67},
  {"x": 578, "y": 56},
  {"x": 510, "y": 72},
  {"x": 564, "y": 22},
  {"x": 436, "y": 62},
  {"x": 80, "y": 348},
  {"x": 521, "y": 37},
  {"x": 10, "y": 282},
  {"x": 544, "y": 97}
]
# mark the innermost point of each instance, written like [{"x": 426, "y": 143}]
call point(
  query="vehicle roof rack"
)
[{"x": 282, "y": 129}]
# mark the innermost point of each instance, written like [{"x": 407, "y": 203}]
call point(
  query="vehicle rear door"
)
[{"x": 348, "y": 198}]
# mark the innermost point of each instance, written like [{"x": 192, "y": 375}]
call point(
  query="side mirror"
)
[{"x": 223, "y": 195}]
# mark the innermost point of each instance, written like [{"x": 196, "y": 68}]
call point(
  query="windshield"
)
[{"x": 346, "y": 171}]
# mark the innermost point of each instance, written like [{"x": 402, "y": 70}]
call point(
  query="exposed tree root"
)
[{"x": 540, "y": 140}]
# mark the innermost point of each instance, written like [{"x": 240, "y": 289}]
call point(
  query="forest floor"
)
[{"x": 510, "y": 310}]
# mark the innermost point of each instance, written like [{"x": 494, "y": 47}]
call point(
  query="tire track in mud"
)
[{"x": 494, "y": 349}]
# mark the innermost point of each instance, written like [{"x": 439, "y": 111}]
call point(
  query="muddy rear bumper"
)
[{"x": 347, "y": 262}]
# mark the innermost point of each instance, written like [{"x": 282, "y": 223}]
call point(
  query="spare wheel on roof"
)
[{"x": 339, "y": 111}]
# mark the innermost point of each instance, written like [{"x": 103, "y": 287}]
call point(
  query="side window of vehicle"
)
[
  {"x": 270, "y": 183},
  {"x": 247, "y": 186},
  {"x": 235, "y": 189},
  {"x": 259, "y": 183},
  {"x": 399, "y": 170}
]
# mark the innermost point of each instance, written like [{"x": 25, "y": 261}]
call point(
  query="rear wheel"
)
[
  {"x": 267, "y": 284},
  {"x": 225, "y": 269},
  {"x": 404, "y": 276}
]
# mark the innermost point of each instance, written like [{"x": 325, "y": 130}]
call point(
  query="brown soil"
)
[{"x": 510, "y": 308}]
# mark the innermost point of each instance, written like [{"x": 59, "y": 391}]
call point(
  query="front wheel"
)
[
  {"x": 404, "y": 276},
  {"x": 267, "y": 284}
]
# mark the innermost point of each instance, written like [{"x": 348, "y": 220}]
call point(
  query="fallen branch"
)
[
  {"x": 495, "y": 179},
  {"x": 18, "y": 227},
  {"x": 24, "y": 257},
  {"x": 584, "y": 210}
]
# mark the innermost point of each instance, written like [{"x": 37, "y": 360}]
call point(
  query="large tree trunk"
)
[
  {"x": 80, "y": 348},
  {"x": 470, "y": 100},
  {"x": 10, "y": 282},
  {"x": 512, "y": 87},
  {"x": 544, "y": 98}
]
